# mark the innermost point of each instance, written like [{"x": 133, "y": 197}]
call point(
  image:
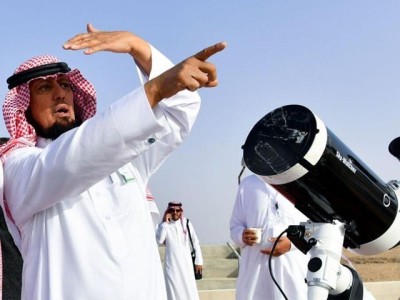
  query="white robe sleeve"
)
[
  {"x": 128, "y": 131},
  {"x": 161, "y": 233},
  {"x": 182, "y": 109},
  {"x": 238, "y": 220}
]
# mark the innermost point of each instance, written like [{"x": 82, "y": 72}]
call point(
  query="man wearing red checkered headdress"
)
[{"x": 75, "y": 181}]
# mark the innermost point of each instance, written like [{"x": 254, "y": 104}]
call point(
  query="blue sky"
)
[{"x": 338, "y": 58}]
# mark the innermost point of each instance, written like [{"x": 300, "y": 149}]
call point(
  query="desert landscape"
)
[{"x": 382, "y": 267}]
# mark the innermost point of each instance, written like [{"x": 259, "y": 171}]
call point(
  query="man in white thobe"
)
[
  {"x": 75, "y": 182},
  {"x": 258, "y": 205},
  {"x": 175, "y": 232}
]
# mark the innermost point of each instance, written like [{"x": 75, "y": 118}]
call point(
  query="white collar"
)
[{"x": 42, "y": 142}]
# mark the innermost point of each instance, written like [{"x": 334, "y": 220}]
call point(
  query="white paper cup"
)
[{"x": 257, "y": 232}]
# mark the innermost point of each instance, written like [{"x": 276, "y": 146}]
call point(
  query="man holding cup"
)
[{"x": 259, "y": 216}]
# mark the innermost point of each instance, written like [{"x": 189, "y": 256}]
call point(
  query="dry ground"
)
[{"x": 382, "y": 267}]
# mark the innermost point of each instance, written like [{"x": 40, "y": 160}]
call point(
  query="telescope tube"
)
[{"x": 291, "y": 149}]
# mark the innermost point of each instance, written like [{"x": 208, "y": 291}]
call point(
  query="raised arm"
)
[
  {"x": 95, "y": 40},
  {"x": 191, "y": 74}
]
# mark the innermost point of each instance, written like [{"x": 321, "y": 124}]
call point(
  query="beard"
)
[
  {"x": 61, "y": 126},
  {"x": 57, "y": 129}
]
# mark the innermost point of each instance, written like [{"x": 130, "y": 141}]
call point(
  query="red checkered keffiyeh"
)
[{"x": 17, "y": 101}]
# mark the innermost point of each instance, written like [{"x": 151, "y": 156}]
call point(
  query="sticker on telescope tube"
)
[{"x": 346, "y": 161}]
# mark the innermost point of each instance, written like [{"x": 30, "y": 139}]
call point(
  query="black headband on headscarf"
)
[
  {"x": 39, "y": 71},
  {"x": 174, "y": 204}
]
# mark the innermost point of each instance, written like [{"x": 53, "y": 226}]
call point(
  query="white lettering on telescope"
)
[{"x": 347, "y": 162}]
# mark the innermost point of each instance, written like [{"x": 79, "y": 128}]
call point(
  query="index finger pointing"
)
[{"x": 209, "y": 51}]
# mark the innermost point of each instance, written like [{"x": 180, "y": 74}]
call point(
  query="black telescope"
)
[{"x": 292, "y": 150}]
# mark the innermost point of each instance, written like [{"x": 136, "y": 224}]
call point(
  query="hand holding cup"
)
[{"x": 252, "y": 236}]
